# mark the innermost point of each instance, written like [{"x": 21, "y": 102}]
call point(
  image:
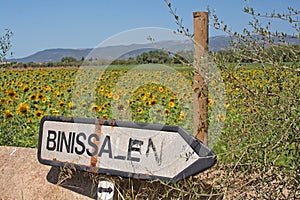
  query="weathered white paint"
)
[{"x": 133, "y": 150}]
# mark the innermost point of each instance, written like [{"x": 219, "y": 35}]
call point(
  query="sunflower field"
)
[
  {"x": 261, "y": 123},
  {"x": 28, "y": 95}
]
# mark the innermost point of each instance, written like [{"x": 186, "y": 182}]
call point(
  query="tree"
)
[
  {"x": 5, "y": 44},
  {"x": 68, "y": 59},
  {"x": 155, "y": 56}
]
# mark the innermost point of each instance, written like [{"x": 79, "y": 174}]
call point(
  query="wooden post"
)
[{"x": 200, "y": 86}]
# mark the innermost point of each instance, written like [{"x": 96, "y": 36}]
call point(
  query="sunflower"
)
[
  {"x": 255, "y": 109},
  {"x": 270, "y": 99},
  {"x": 8, "y": 114},
  {"x": 181, "y": 116},
  {"x": 227, "y": 104},
  {"x": 71, "y": 105},
  {"x": 101, "y": 88},
  {"x": 38, "y": 114},
  {"x": 171, "y": 104},
  {"x": 23, "y": 108},
  {"x": 152, "y": 102},
  {"x": 107, "y": 105},
  {"x": 9, "y": 102},
  {"x": 30, "y": 120},
  {"x": 105, "y": 116},
  {"x": 36, "y": 107},
  {"x": 44, "y": 100},
  {"x": 172, "y": 99},
  {"x": 32, "y": 97},
  {"x": 57, "y": 94},
  {"x": 40, "y": 96},
  {"x": 145, "y": 96},
  {"x": 55, "y": 112},
  {"x": 10, "y": 93},
  {"x": 60, "y": 103},
  {"x": 16, "y": 96},
  {"x": 25, "y": 88},
  {"x": 109, "y": 95},
  {"x": 167, "y": 111},
  {"x": 161, "y": 89},
  {"x": 140, "y": 110},
  {"x": 95, "y": 108},
  {"x": 210, "y": 102},
  {"x": 250, "y": 110}
]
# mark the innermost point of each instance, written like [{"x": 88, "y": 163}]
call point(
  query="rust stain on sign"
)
[
  {"x": 96, "y": 140},
  {"x": 94, "y": 161},
  {"x": 112, "y": 122}
]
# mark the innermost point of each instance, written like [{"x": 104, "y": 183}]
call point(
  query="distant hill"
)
[
  {"x": 53, "y": 55},
  {"x": 216, "y": 43}
]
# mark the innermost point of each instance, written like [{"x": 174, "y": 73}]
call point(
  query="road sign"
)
[
  {"x": 105, "y": 190},
  {"x": 128, "y": 149}
]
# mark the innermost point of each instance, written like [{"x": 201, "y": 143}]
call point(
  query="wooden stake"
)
[{"x": 200, "y": 86}]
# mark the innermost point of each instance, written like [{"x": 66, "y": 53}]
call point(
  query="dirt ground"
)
[{"x": 23, "y": 177}]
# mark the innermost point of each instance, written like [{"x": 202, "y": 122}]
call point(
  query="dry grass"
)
[{"x": 219, "y": 182}]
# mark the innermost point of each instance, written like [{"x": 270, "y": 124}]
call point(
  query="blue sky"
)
[{"x": 39, "y": 25}]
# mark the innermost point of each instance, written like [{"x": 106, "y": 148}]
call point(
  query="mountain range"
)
[{"x": 216, "y": 43}]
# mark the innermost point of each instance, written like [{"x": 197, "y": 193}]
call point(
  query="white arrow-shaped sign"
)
[{"x": 137, "y": 150}]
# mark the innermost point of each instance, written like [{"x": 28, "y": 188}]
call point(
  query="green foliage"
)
[
  {"x": 276, "y": 53},
  {"x": 153, "y": 57},
  {"x": 5, "y": 44},
  {"x": 68, "y": 59},
  {"x": 261, "y": 125}
]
